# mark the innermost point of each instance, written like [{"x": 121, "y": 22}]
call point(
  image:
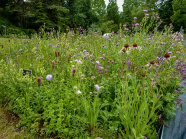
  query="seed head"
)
[
  {"x": 126, "y": 45},
  {"x": 167, "y": 55},
  {"x": 135, "y": 45},
  {"x": 39, "y": 81}
]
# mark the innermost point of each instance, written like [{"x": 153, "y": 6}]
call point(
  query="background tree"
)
[{"x": 179, "y": 16}]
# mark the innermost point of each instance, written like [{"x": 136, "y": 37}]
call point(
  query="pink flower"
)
[
  {"x": 145, "y": 11},
  {"x": 179, "y": 100},
  {"x": 39, "y": 81},
  {"x": 73, "y": 71},
  {"x": 135, "y": 18},
  {"x": 137, "y": 24},
  {"x": 159, "y": 116}
]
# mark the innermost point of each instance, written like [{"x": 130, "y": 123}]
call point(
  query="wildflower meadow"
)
[{"x": 66, "y": 85}]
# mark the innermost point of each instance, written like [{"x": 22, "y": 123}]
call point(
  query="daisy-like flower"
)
[
  {"x": 167, "y": 55},
  {"x": 135, "y": 45},
  {"x": 126, "y": 45},
  {"x": 49, "y": 77},
  {"x": 124, "y": 50},
  {"x": 78, "y": 92},
  {"x": 152, "y": 62}
]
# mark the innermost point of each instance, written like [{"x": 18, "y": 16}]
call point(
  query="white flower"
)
[
  {"x": 49, "y": 77},
  {"x": 78, "y": 92}
]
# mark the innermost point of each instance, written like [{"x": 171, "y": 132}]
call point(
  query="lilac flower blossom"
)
[
  {"x": 97, "y": 62},
  {"x": 97, "y": 87},
  {"x": 145, "y": 11},
  {"x": 137, "y": 24},
  {"x": 49, "y": 77},
  {"x": 135, "y": 18}
]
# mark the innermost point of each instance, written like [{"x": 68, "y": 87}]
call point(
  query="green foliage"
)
[
  {"x": 179, "y": 16},
  {"x": 132, "y": 91}
]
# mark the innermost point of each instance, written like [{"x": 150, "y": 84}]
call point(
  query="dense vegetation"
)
[
  {"x": 119, "y": 86},
  {"x": 30, "y": 15}
]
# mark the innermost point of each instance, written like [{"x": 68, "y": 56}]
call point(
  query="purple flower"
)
[
  {"x": 117, "y": 44},
  {"x": 177, "y": 52},
  {"x": 98, "y": 138},
  {"x": 147, "y": 14},
  {"x": 158, "y": 58},
  {"x": 135, "y": 18},
  {"x": 137, "y": 24},
  {"x": 101, "y": 57},
  {"x": 126, "y": 29},
  {"x": 39, "y": 81},
  {"x": 97, "y": 87},
  {"x": 20, "y": 50},
  {"x": 179, "y": 100},
  {"x": 73, "y": 71},
  {"x": 97, "y": 62},
  {"x": 91, "y": 55},
  {"x": 152, "y": 83},
  {"x": 170, "y": 52},
  {"x": 145, "y": 11},
  {"x": 49, "y": 77},
  {"x": 159, "y": 116},
  {"x": 93, "y": 77},
  {"x": 124, "y": 25},
  {"x": 171, "y": 25},
  {"x": 158, "y": 17},
  {"x": 144, "y": 137},
  {"x": 163, "y": 43}
]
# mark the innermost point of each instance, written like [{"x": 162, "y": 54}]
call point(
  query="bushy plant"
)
[{"x": 121, "y": 86}]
